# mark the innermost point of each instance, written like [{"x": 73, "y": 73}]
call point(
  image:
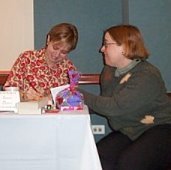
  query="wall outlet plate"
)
[{"x": 98, "y": 129}]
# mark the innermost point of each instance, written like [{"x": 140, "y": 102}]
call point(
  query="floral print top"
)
[{"x": 31, "y": 70}]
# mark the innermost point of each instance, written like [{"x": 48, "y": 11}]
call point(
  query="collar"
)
[{"x": 120, "y": 71}]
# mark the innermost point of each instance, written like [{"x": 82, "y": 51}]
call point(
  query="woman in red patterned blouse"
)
[{"x": 35, "y": 72}]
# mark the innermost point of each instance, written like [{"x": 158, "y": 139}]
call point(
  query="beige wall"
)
[{"x": 16, "y": 30}]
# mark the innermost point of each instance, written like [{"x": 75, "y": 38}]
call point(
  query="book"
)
[{"x": 32, "y": 107}]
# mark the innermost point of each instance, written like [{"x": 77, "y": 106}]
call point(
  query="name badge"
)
[{"x": 9, "y": 100}]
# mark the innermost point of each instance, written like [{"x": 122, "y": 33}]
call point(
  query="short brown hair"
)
[
  {"x": 64, "y": 32},
  {"x": 131, "y": 38}
]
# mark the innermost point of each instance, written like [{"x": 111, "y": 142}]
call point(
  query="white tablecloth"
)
[{"x": 62, "y": 141}]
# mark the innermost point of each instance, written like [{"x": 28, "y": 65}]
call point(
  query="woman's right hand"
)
[{"x": 31, "y": 95}]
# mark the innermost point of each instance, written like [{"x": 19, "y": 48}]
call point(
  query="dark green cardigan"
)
[{"x": 126, "y": 100}]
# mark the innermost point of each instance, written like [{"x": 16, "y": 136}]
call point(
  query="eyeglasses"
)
[{"x": 106, "y": 44}]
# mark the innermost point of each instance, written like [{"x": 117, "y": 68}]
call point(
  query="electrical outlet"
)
[{"x": 98, "y": 129}]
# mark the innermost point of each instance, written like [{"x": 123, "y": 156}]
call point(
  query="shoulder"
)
[
  {"x": 147, "y": 69},
  {"x": 148, "y": 75},
  {"x": 107, "y": 73},
  {"x": 31, "y": 54},
  {"x": 67, "y": 61},
  {"x": 108, "y": 70}
]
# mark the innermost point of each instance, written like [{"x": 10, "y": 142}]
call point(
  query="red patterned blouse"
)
[{"x": 31, "y": 70}]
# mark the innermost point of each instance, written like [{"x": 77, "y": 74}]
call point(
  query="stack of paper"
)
[{"x": 32, "y": 107}]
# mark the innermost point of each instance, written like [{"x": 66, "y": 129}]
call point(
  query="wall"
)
[
  {"x": 16, "y": 30},
  {"x": 153, "y": 18},
  {"x": 91, "y": 19}
]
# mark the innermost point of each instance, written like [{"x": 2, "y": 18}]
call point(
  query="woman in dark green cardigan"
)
[{"x": 133, "y": 99}]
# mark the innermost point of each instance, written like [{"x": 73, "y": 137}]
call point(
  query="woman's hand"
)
[{"x": 32, "y": 95}]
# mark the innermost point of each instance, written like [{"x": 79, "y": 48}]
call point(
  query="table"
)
[{"x": 62, "y": 141}]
